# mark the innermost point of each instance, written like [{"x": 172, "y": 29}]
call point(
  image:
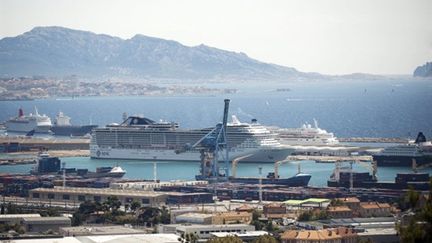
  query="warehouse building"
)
[
  {"x": 79, "y": 194},
  {"x": 204, "y": 231}
]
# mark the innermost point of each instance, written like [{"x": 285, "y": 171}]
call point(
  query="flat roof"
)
[
  {"x": 46, "y": 219},
  {"x": 12, "y": 216},
  {"x": 310, "y": 200},
  {"x": 101, "y": 230},
  {"x": 210, "y": 226},
  {"x": 246, "y": 234}
]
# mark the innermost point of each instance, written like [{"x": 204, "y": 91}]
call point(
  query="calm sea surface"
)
[{"x": 393, "y": 108}]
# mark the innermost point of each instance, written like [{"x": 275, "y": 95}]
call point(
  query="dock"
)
[
  {"x": 329, "y": 159},
  {"x": 21, "y": 143}
]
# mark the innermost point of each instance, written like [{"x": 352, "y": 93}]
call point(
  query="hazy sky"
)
[{"x": 332, "y": 36}]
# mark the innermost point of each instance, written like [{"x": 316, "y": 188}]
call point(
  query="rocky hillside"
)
[
  {"x": 58, "y": 51},
  {"x": 424, "y": 71}
]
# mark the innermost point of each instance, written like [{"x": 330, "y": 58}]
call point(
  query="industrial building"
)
[
  {"x": 204, "y": 231},
  {"x": 100, "y": 230},
  {"x": 151, "y": 185},
  {"x": 34, "y": 222},
  {"x": 78, "y": 195},
  {"x": 43, "y": 224},
  {"x": 194, "y": 218},
  {"x": 16, "y": 218}
]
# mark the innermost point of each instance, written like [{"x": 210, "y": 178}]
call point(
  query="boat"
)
[
  {"x": 27, "y": 123},
  {"x": 402, "y": 155},
  {"x": 47, "y": 165},
  {"x": 63, "y": 127},
  {"x": 300, "y": 179},
  {"x": 144, "y": 139},
  {"x": 305, "y": 135}
]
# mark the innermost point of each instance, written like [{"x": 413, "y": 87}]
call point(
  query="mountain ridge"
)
[{"x": 62, "y": 51}]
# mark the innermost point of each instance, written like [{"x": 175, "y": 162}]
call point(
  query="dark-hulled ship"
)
[
  {"x": 47, "y": 165},
  {"x": 300, "y": 180},
  {"x": 63, "y": 127},
  {"x": 346, "y": 177},
  {"x": 403, "y": 155}
]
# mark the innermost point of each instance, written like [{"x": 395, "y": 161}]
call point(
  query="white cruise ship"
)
[
  {"x": 143, "y": 139},
  {"x": 305, "y": 135},
  {"x": 27, "y": 123}
]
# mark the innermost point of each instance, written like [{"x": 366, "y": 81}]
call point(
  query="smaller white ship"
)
[
  {"x": 305, "y": 135},
  {"x": 31, "y": 122}
]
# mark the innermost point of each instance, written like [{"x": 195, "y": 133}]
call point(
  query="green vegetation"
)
[
  {"x": 311, "y": 215},
  {"x": 109, "y": 212},
  {"x": 4, "y": 228},
  {"x": 188, "y": 238},
  {"x": 419, "y": 226},
  {"x": 266, "y": 239},
  {"x": 255, "y": 220},
  {"x": 227, "y": 239},
  {"x": 336, "y": 202}
]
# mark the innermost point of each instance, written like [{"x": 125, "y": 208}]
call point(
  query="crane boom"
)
[{"x": 211, "y": 146}]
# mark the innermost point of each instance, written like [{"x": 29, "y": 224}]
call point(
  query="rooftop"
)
[
  {"x": 339, "y": 209},
  {"x": 100, "y": 230},
  {"x": 310, "y": 200},
  {"x": 372, "y": 205},
  {"x": 218, "y": 226},
  {"x": 45, "y": 219},
  {"x": 349, "y": 199},
  {"x": 13, "y": 216},
  {"x": 142, "y": 238},
  {"x": 247, "y": 234}
]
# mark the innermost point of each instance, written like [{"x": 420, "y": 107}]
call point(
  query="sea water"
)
[{"x": 375, "y": 108}]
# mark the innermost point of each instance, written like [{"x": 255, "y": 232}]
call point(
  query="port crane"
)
[{"x": 213, "y": 148}]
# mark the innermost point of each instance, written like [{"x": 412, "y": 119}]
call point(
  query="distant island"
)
[{"x": 424, "y": 70}]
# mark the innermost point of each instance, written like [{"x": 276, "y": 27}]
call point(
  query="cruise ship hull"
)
[
  {"x": 401, "y": 161},
  {"x": 26, "y": 127},
  {"x": 262, "y": 155}
]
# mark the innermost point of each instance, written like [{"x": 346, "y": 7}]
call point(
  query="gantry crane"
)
[{"x": 213, "y": 148}]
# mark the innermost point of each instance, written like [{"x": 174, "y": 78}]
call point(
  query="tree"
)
[
  {"x": 112, "y": 204},
  {"x": 412, "y": 197},
  {"x": 189, "y": 238},
  {"x": 227, "y": 239},
  {"x": 165, "y": 216},
  {"x": 336, "y": 202},
  {"x": 305, "y": 216},
  {"x": 149, "y": 216},
  {"x": 135, "y": 205},
  {"x": 266, "y": 239},
  {"x": 419, "y": 227}
]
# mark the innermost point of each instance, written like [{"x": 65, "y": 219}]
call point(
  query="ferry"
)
[
  {"x": 141, "y": 138},
  {"x": 27, "y": 123}
]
